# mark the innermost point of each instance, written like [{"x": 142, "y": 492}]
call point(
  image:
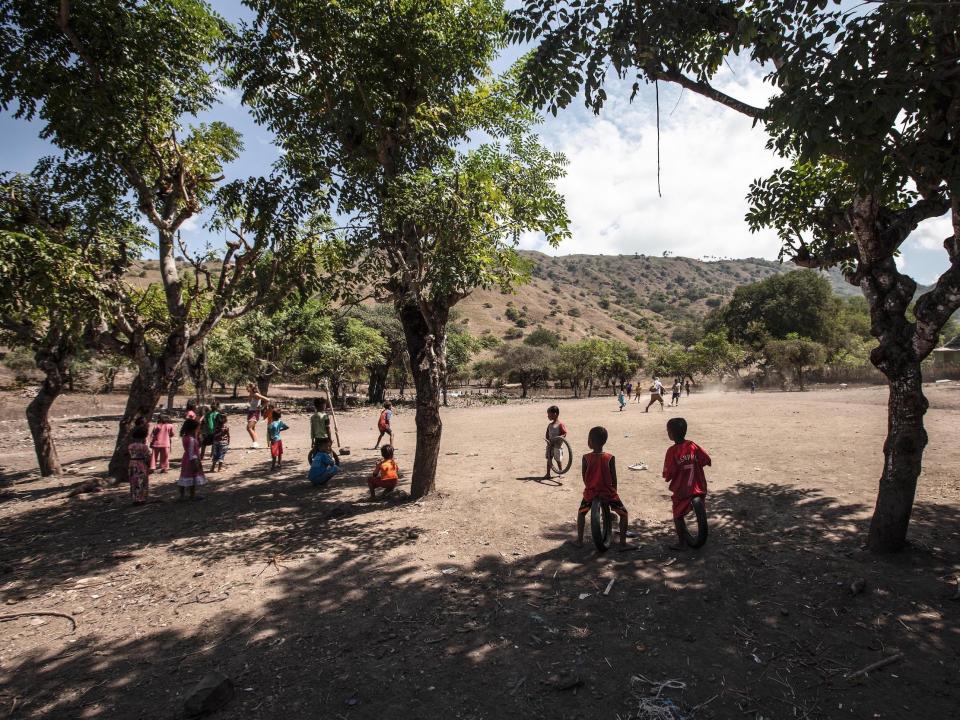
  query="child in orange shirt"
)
[
  {"x": 385, "y": 474},
  {"x": 599, "y": 471}
]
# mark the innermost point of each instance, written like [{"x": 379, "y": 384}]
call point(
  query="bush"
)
[
  {"x": 513, "y": 334},
  {"x": 512, "y": 314},
  {"x": 714, "y": 302},
  {"x": 604, "y": 303},
  {"x": 488, "y": 305},
  {"x": 574, "y": 312}
]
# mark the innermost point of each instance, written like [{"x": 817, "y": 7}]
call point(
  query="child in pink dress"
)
[
  {"x": 160, "y": 441},
  {"x": 138, "y": 467},
  {"x": 191, "y": 472}
]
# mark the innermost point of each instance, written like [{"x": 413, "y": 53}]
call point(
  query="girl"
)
[
  {"x": 191, "y": 473},
  {"x": 221, "y": 443},
  {"x": 160, "y": 442},
  {"x": 138, "y": 469},
  {"x": 253, "y": 412}
]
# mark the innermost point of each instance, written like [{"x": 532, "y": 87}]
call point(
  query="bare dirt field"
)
[{"x": 473, "y": 603}]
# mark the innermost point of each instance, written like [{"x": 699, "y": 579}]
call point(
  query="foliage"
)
[
  {"x": 716, "y": 355},
  {"x": 524, "y": 364},
  {"x": 795, "y": 354},
  {"x": 542, "y": 337}
]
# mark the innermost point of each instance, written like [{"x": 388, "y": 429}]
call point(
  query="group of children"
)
[{"x": 682, "y": 469}]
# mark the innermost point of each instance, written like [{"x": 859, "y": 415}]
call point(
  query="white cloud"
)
[
  {"x": 930, "y": 234},
  {"x": 708, "y": 157}
]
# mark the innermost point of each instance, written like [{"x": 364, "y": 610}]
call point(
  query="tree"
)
[
  {"x": 542, "y": 337},
  {"x": 384, "y": 96},
  {"x": 579, "y": 363},
  {"x": 61, "y": 258},
  {"x": 795, "y": 353},
  {"x": 113, "y": 85},
  {"x": 342, "y": 349},
  {"x": 231, "y": 358},
  {"x": 382, "y": 319},
  {"x": 714, "y": 354},
  {"x": 524, "y": 364},
  {"x": 620, "y": 362},
  {"x": 862, "y": 176},
  {"x": 461, "y": 346}
]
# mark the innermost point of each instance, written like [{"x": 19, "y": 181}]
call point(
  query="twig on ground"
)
[
  {"x": 875, "y": 666},
  {"x": 211, "y": 645},
  {"x": 73, "y": 622}
]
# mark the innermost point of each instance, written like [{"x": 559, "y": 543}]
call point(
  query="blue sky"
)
[{"x": 709, "y": 155}]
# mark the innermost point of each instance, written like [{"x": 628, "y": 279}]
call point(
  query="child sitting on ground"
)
[
  {"x": 324, "y": 464},
  {"x": 385, "y": 474},
  {"x": 683, "y": 469},
  {"x": 555, "y": 429},
  {"x": 221, "y": 443},
  {"x": 599, "y": 472},
  {"x": 274, "y": 429},
  {"x": 319, "y": 427}
]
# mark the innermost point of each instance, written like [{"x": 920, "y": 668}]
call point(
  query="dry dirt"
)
[{"x": 473, "y": 604}]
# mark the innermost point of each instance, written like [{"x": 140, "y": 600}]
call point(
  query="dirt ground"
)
[{"x": 473, "y": 604}]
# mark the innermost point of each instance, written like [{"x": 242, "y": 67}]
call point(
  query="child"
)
[
  {"x": 319, "y": 427},
  {"x": 383, "y": 424},
  {"x": 656, "y": 394},
  {"x": 221, "y": 443},
  {"x": 555, "y": 429},
  {"x": 191, "y": 472},
  {"x": 683, "y": 469},
  {"x": 324, "y": 464},
  {"x": 385, "y": 474},
  {"x": 675, "y": 394},
  {"x": 191, "y": 410},
  {"x": 160, "y": 441},
  {"x": 621, "y": 399},
  {"x": 208, "y": 424},
  {"x": 599, "y": 472},
  {"x": 274, "y": 429},
  {"x": 138, "y": 467}
]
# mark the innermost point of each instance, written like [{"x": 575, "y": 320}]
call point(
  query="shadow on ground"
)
[{"x": 760, "y": 623}]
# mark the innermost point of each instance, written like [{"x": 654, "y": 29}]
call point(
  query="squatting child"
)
[
  {"x": 599, "y": 470},
  {"x": 385, "y": 474},
  {"x": 324, "y": 464},
  {"x": 683, "y": 469},
  {"x": 555, "y": 429},
  {"x": 274, "y": 429}
]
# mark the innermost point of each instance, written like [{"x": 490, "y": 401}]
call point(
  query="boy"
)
[
  {"x": 683, "y": 469},
  {"x": 599, "y": 472},
  {"x": 208, "y": 425},
  {"x": 319, "y": 426},
  {"x": 675, "y": 394},
  {"x": 274, "y": 429},
  {"x": 221, "y": 443},
  {"x": 656, "y": 394},
  {"x": 385, "y": 474},
  {"x": 621, "y": 399},
  {"x": 383, "y": 424},
  {"x": 324, "y": 464},
  {"x": 555, "y": 429}
]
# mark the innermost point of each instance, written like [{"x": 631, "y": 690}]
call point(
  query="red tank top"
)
[{"x": 596, "y": 477}]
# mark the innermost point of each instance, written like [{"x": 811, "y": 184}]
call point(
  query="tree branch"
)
[{"x": 706, "y": 90}]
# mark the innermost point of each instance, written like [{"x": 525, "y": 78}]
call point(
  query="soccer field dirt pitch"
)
[{"x": 474, "y": 603}]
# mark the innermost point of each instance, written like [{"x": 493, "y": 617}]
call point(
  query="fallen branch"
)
[
  {"x": 875, "y": 666},
  {"x": 49, "y": 613}
]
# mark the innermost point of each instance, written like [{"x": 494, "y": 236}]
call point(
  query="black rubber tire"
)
[
  {"x": 601, "y": 524},
  {"x": 560, "y": 467},
  {"x": 701, "y": 514}
]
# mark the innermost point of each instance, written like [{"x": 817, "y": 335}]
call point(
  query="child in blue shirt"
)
[
  {"x": 325, "y": 463},
  {"x": 274, "y": 429}
]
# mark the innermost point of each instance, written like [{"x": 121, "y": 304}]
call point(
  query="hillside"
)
[{"x": 636, "y": 298}]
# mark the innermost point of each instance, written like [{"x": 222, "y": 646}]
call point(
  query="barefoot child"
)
[
  {"x": 683, "y": 469},
  {"x": 385, "y": 474},
  {"x": 221, "y": 443},
  {"x": 621, "y": 399},
  {"x": 324, "y": 464},
  {"x": 319, "y": 427},
  {"x": 599, "y": 472},
  {"x": 274, "y": 429},
  {"x": 656, "y": 394},
  {"x": 208, "y": 425},
  {"x": 191, "y": 473},
  {"x": 383, "y": 424},
  {"x": 138, "y": 468},
  {"x": 555, "y": 429},
  {"x": 160, "y": 441}
]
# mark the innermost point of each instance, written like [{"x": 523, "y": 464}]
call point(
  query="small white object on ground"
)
[
  {"x": 638, "y": 466},
  {"x": 609, "y": 586}
]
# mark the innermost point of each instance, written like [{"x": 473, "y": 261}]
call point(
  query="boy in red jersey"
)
[
  {"x": 683, "y": 469},
  {"x": 599, "y": 471}
]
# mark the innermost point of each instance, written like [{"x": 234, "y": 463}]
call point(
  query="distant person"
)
[
  {"x": 753, "y": 386},
  {"x": 138, "y": 466},
  {"x": 274, "y": 429},
  {"x": 683, "y": 469},
  {"x": 555, "y": 429},
  {"x": 688, "y": 388},
  {"x": 385, "y": 474},
  {"x": 319, "y": 426},
  {"x": 656, "y": 394},
  {"x": 191, "y": 413},
  {"x": 160, "y": 441},
  {"x": 221, "y": 443},
  {"x": 622, "y": 400},
  {"x": 599, "y": 472},
  {"x": 191, "y": 472},
  {"x": 629, "y": 389},
  {"x": 324, "y": 464},
  {"x": 384, "y": 424},
  {"x": 253, "y": 412},
  {"x": 675, "y": 394}
]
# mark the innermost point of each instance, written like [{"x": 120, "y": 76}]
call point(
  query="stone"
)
[{"x": 209, "y": 695}]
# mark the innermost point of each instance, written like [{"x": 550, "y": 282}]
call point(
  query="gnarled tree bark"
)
[{"x": 53, "y": 362}]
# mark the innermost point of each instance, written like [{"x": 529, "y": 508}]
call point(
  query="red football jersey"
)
[
  {"x": 597, "y": 480},
  {"x": 683, "y": 469}
]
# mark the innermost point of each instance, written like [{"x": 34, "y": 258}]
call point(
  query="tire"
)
[
  {"x": 601, "y": 524},
  {"x": 700, "y": 512},
  {"x": 562, "y": 465}
]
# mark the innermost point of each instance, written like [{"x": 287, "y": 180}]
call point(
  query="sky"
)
[{"x": 708, "y": 157}]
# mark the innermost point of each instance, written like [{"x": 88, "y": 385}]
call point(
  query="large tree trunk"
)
[
  {"x": 38, "y": 413},
  {"x": 427, "y": 353},
  {"x": 263, "y": 385},
  {"x": 377, "y": 386}
]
